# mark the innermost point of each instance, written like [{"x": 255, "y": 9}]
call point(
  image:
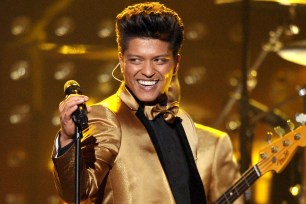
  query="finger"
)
[
  {"x": 70, "y": 104},
  {"x": 66, "y": 109},
  {"x": 78, "y": 99},
  {"x": 72, "y": 100}
]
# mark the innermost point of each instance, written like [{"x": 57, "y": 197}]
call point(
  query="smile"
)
[{"x": 147, "y": 83}]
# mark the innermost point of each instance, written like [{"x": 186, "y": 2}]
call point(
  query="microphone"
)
[{"x": 79, "y": 117}]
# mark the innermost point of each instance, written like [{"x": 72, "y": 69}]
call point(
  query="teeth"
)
[{"x": 147, "y": 83}]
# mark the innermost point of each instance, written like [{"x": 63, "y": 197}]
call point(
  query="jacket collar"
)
[{"x": 127, "y": 97}]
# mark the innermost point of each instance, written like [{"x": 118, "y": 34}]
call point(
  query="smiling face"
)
[{"x": 148, "y": 66}]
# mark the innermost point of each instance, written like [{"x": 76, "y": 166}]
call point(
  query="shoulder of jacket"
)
[{"x": 209, "y": 132}]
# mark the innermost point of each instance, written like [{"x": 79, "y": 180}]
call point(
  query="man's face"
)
[{"x": 148, "y": 66}]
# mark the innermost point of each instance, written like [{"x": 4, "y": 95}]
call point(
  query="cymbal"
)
[
  {"x": 294, "y": 52},
  {"x": 283, "y": 2}
]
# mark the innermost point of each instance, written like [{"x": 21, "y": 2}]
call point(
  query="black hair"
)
[{"x": 149, "y": 20}]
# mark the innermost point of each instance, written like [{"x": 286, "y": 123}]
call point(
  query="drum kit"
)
[{"x": 294, "y": 51}]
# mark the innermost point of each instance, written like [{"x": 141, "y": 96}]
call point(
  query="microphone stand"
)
[
  {"x": 79, "y": 117},
  {"x": 78, "y": 138}
]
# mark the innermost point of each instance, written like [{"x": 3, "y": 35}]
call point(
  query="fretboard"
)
[{"x": 240, "y": 186}]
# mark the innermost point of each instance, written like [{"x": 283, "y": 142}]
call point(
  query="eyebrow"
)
[{"x": 162, "y": 55}]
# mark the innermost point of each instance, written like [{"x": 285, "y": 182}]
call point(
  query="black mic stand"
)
[
  {"x": 78, "y": 138},
  {"x": 80, "y": 120}
]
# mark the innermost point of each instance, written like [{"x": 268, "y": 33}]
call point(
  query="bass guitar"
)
[{"x": 274, "y": 157}]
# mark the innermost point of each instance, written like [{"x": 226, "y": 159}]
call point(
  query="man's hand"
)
[{"x": 66, "y": 109}]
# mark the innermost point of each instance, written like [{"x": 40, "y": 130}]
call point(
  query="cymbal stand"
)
[
  {"x": 242, "y": 92},
  {"x": 272, "y": 45}
]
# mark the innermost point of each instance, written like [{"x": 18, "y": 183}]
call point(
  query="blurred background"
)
[{"x": 45, "y": 43}]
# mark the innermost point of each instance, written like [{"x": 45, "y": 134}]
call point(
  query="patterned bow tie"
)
[{"x": 169, "y": 111}]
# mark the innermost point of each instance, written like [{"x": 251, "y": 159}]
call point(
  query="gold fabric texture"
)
[
  {"x": 120, "y": 164},
  {"x": 168, "y": 111}
]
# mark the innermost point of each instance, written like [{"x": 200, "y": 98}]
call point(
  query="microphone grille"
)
[{"x": 70, "y": 83}]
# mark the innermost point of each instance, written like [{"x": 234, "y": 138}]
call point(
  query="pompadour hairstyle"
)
[{"x": 149, "y": 20}]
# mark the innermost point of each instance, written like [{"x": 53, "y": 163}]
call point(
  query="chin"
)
[{"x": 146, "y": 99}]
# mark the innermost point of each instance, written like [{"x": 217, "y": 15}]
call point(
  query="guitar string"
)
[
  {"x": 239, "y": 187},
  {"x": 250, "y": 175},
  {"x": 267, "y": 161}
]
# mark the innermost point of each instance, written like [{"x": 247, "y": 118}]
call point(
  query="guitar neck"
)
[
  {"x": 240, "y": 186},
  {"x": 275, "y": 157}
]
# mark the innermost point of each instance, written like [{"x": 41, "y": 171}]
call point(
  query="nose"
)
[{"x": 148, "y": 70}]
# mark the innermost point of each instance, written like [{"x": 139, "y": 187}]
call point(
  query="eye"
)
[
  {"x": 161, "y": 60},
  {"x": 134, "y": 60}
]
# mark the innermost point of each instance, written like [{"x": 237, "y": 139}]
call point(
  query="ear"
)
[{"x": 177, "y": 64}]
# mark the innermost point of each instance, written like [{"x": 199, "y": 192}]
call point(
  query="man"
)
[{"x": 140, "y": 147}]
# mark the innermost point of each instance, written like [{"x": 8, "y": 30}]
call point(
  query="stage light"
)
[
  {"x": 64, "y": 26},
  {"x": 234, "y": 79},
  {"x": 64, "y": 70},
  {"x": 194, "y": 75},
  {"x": 104, "y": 77},
  {"x": 295, "y": 190},
  {"x": 233, "y": 125},
  {"x": 20, "y": 114},
  {"x": 106, "y": 28},
  {"x": 20, "y": 25},
  {"x": 302, "y": 91},
  {"x": 73, "y": 49},
  {"x": 294, "y": 29},
  {"x": 195, "y": 31},
  {"x": 20, "y": 70},
  {"x": 252, "y": 80}
]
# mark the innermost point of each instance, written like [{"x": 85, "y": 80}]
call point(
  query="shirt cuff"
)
[{"x": 59, "y": 150}]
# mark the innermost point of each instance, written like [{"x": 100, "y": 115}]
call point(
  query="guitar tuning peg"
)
[
  {"x": 301, "y": 118},
  {"x": 269, "y": 137},
  {"x": 290, "y": 125},
  {"x": 280, "y": 131}
]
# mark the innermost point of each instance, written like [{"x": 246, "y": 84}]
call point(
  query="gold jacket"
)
[{"x": 121, "y": 165}]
